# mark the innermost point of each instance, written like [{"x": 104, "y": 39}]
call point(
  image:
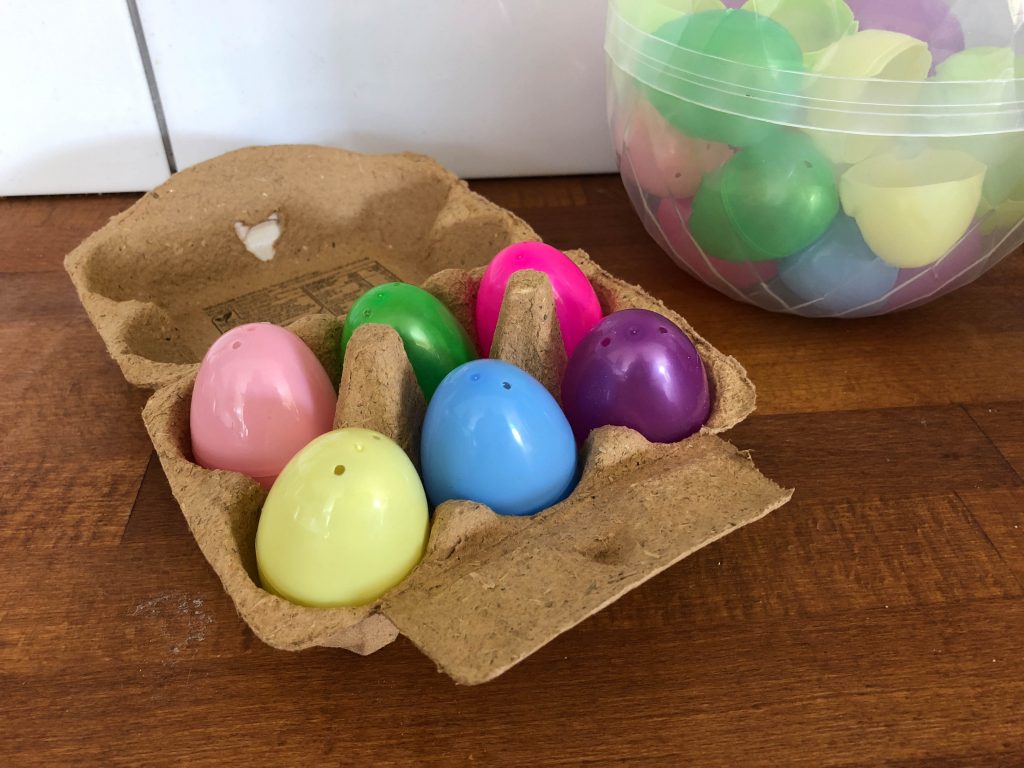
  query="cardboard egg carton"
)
[{"x": 293, "y": 235}]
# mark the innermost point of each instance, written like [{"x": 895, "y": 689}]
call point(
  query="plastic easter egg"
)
[
  {"x": 959, "y": 267},
  {"x": 434, "y": 341},
  {"x": 637, "y": 369},
  {"x": 664, "y": 161},
  {"x": 1005, "y": 217},
  {"x": 672, "y": 216},
  {"x": 1003, "y": 156},
  {"x": 260, "y": 395},
  {"x": 862, "y": 71},
  {"x": 770, "y": 201},
  {"x": 714, "y": 232},
  {"x": 576, "y": 304},
  {"x": 912, "y": 208},
  {"x": 345, "y": 522},
  {"x": 999, "y": 68},
  {"x": 838, "y": 273},
  {"x": 876, "y": 53},
  {"x": 929, "y": 20},
  {"x": 780, "y": 193},
  {"x": 494, "y": 435},
  {"x": 1001, "y": 152},
  {"x": 647, "y": 16},
  {"x": 696, "y": 53},
  {"x": 814, "y": 24}
]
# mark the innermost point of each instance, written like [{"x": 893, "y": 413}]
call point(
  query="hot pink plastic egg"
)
[
  {"x": 260, "y": 396},
  {"x": 576, "y": 303}
]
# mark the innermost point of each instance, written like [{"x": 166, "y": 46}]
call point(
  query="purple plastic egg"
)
[{"x": 636, "y": 369}]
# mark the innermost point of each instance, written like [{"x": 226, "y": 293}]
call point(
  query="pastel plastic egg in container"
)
[{"x": 827, "y": 158}]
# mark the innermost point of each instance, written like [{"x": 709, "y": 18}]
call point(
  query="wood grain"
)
[
  {"x": 1003, "y": 424},
  {"x": 877, "y": 619}
]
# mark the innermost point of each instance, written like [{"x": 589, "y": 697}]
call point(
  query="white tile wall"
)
[
  {"x": 489, "y": 87},
  {"x": 75, "y": 111}
]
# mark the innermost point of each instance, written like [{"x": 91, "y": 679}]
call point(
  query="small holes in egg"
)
[
  {"x": 359, "y": 447},
  {"x": 662, "y": 329},
  {"x": 339, "y": 469},
  {"x": 506, "y": 385},
  {"x": 475, "y": 377},
  {"x": 605, "y": 341},
  {"x": 236, "y": 345},
  {"x": 634, "y": 331},
  {"x": 367, "y": 313}
]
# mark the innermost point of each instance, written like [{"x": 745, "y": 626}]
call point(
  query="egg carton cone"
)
[{"x": 293, "y": 235}]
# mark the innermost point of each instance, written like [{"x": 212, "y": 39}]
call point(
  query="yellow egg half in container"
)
[
  {"x": 911, "y": 209},
  {"x": 345, "y": 521},
  {"x": 986, "y": 76},
  {"x": 873, "y": 67}
]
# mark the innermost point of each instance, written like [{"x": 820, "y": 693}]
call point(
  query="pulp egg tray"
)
[{"x": 293, "y": 235}]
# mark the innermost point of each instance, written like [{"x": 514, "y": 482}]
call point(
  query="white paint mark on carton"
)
[{"x": 259, "y": 239}]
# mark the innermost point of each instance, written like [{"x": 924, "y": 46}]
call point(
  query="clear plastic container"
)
[{"x": 822, "y": 157}]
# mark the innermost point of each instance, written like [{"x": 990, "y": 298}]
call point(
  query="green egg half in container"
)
[
  {"x": 769, "y": 201},
  {"x": 724, "y": 76}
]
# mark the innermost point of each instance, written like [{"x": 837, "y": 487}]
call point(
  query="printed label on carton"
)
[{"x": 331, "y": 291}]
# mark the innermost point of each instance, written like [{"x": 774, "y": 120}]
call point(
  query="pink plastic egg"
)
[
  {"x": 664, "y": 161},
  {"x": 260, "y": 396},
  {"x": 673, "y": 216},
  {"x": 576, "y": 303}
]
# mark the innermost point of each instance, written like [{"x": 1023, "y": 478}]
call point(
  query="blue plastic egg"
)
[
  {"x": 838, "y": 272},
  {"x": 493, "y": 434}
]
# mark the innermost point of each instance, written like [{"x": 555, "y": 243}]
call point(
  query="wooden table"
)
[{"x": 876, "y": 619}]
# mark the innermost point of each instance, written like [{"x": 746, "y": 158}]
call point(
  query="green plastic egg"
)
[
  {"x": 769, "y": 201},
  {"x": 647, "y": 16},
  {"x": 711, "y": 229},
  {"x": 780, "y": 193},
  {"x": 721, "y": 75},
  {"x": 434, "y": 340}
]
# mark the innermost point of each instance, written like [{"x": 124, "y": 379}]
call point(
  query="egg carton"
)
[{"x": 293, "y": 235}]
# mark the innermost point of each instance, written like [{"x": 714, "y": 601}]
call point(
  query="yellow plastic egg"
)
[{"x": 345, "y": 521}]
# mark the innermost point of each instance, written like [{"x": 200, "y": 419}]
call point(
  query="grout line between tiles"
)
[{"x": 154, "y": 91}]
